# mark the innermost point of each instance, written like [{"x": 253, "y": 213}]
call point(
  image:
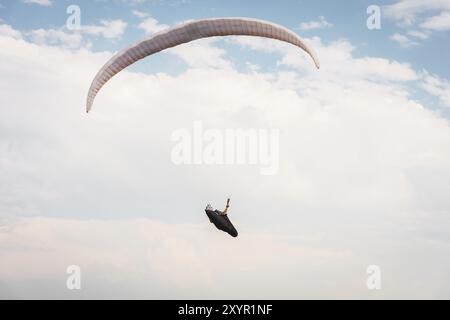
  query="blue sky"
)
[
  {"x": 349, "y": 22},
  {"x": 364, "y": 152},
  {"x": 346, "y": 22}
]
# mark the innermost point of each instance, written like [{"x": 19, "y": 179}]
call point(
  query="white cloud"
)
[
  {"x": 39, "y": 2},
  {"x": 440, "y": 22},
  {"x": 202, "y": 54},
  {"x": 71, "y": 40},
  {"x": 322, "y": 23},
  {"x": 406, "y": 11},
  {"x": 151, "y": 25},
  {"x": 403, "y": 40},
  {"x": 336, "y": 59},
  {"x": 110, "y": 29},
  {"x": 149, "y": 259},
  {"x": 146, "y": 259},
  {"x": 358, "y": 157},
  {"x": 140, "y": 14},
  {"x": 419, "y": 34},
  {"x": 429, "y": 16},
  {"x": 438, "y": 87},
  {"x": 66, "y": 38},
  {"x": 8, "y": 31}
]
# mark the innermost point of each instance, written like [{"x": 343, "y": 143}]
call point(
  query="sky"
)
[{"x": 364, "y": 153}]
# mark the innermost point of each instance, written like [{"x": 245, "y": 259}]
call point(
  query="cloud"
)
[
  {"x": 71, "y": 40},
  {"x": 406, "y": 11},
  {"x": 419, "y": 34},
  {"x": 8, "y": 31},
  {"x": 336, "y": 59},
  {"x": 109, "y": 29},
  {"x": 437, "y": 87},
  {"x": 140, "y": 14},
  {"x": 151, "y": 25},
  {"x": 45, "y": 3},
  {"x": 147, "y": 259},
  {"x": 440, "y": 22},
  {"x": 403, "y": 40},
  {"x": 416, "y": 14},
  {"x": 359, "y": 157},
  {"x": 202, "y": 54},
  {"x": 322, "y": 23}
]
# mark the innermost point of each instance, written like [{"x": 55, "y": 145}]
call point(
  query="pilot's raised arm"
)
[{"x": 227, "y": 206}]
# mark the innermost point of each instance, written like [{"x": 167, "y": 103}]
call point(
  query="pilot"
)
[{"x": 220, "y": 213}]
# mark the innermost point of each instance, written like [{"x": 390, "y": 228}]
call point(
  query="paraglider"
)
[
  {"x": 220, "y": 219},
  {"x": 187, "y": 32}
]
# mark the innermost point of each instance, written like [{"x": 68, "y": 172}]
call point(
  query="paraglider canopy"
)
[{"x": 187, "y": 32}]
